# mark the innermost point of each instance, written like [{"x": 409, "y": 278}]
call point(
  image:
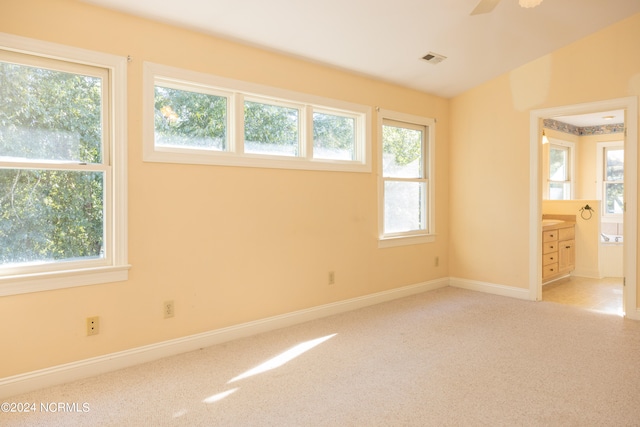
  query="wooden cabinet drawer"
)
[
  {"x": 549, "y": 270},
  {"x": 549, "y": 258},
  {"x": 549, "y": 236},
  {"x": 549, "y": 247},
  {"x": 568, "y": 233}
]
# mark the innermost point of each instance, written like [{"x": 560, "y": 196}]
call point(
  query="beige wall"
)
[
  {"x": 489, "y": 177},
  {"x": 227, "y": 244}
]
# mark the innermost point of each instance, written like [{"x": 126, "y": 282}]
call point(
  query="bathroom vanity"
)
[{"x": 558, "y": 246}]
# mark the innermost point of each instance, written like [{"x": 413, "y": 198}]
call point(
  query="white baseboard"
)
[
  {"x": 633, "y": 314},
  {"x": 490, "y": 288},
  {"x": 24, "y": 383},
  {"x": 591, "y": 274}
]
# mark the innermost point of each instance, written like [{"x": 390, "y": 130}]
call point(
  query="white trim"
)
[
  {"x": 630, "y": 105},
  {"x": 117, "y": 155},
  {"x": 27, "y": 283},
  {"x": 590, "y": 273},
  {"x": 237, "y": 91},
  {"x": 23, "y": 383},
  {"x": 392, "y": 242},
  {"x": 490, "y": 288}
]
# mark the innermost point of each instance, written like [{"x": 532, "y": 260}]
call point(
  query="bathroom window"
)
[
  {"x": 560, "y": 182},
  {"x": 611, "y": 178}
]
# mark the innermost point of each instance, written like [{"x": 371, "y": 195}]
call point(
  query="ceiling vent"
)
[{"x": 434, "y": 58}]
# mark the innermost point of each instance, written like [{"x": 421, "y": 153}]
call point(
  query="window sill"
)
[
  {"x": 219, "y": 158},
  {"x": 390, "y": 242},
  {"x": 27, "y": 283}
]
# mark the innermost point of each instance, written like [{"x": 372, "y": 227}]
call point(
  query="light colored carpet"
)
[{"x": 448, "y": 357}]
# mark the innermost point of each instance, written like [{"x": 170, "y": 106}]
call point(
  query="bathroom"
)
[{"x": 582, "y": 174}]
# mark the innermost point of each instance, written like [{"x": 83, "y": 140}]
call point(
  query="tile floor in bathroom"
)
[{"x": 604, "y": 295}]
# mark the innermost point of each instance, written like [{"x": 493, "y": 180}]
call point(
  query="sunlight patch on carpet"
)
[
  {"x": 219, "y": 396},
  {"x": 283, "y": 358}
]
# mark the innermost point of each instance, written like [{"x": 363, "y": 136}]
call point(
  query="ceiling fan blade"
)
[{"x": 485, "y": 6}]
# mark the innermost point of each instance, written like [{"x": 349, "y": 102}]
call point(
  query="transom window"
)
[{"x": 200, "y": 118}]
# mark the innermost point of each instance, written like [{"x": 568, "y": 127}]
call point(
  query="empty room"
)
[{"x": 319, "y": 213}]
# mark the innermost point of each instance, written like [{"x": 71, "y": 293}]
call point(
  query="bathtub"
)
[{"x": 611, "y": 255}]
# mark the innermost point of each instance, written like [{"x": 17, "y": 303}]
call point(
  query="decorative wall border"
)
[{"x": 583, "y": 131}]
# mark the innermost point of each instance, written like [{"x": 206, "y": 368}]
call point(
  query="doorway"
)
[{"x": 630, "y": 108}]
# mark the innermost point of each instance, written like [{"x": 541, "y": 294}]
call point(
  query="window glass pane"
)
[
  {"x": 50, "y": 215},
  {"x": 614, "y": 164},
  {"x": 49, "y": 115},
  {"x": 334, "y": 137},
  {"x": 404, "y": 206},
  {"x": 270, "y": 129},
  {"x": 190, "y": 119},
  {"x": 559, "y": 191},
  {"x": 402, "y": 152},
  {"x": 558, "y": 164},
  {"x": 614, "y": 201}
]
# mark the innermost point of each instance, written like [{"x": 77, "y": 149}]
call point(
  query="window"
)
[
  {"x": 61, "y": 169},
  {"x": 205, "y": 119},
  {"x": 559, "y": 172},
  {"x": 271, "y": 129},
  {"x": 188, "y": 119},
  {"x": 406, "y": 187},
  {"x": 334, "y": 136},
  {"x": 611, "y": 178}
]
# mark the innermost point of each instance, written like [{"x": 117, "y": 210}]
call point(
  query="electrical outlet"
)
[
  {"x": 332, "y": 277},
  {"x": 93, "y": 325},
  {"x": 169, "y": 309}
]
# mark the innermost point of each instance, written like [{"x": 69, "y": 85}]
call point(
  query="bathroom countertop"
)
[{"x": 551, "y": 222}]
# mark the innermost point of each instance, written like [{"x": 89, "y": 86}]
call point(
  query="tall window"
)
[
  {"x": 56, "y": 170},
  {"x": 406, "y": 187},
  {"x": 612, "y": 179},
  {"x": 560, "y": 171}
]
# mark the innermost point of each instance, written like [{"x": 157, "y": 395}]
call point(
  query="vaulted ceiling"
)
[{"x": 387, "y": 40}]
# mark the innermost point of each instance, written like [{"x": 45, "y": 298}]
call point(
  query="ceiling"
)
[
  {"x": 387, "y": 40},
  {"x": 594, "y": 119}
]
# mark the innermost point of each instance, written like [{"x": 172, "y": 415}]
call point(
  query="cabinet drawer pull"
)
[{"x": 568, "y": 247}]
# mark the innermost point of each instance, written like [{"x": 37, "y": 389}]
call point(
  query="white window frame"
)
[
  {"x": 428, "y": 235},
  {"x": 571, "y": 159},
  {"x": 237, "y": 91},
  {"x": 114, "y": 267},
  {"x": 600, "y": 169}
]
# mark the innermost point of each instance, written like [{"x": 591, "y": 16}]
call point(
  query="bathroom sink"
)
[{"x": 551, "y": 221}]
